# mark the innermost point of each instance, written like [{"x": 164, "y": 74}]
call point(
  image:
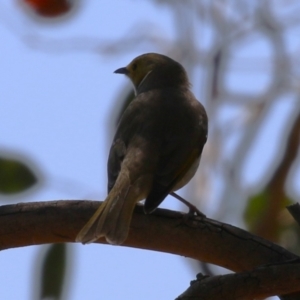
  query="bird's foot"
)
[{"x": 193, "y": 210}]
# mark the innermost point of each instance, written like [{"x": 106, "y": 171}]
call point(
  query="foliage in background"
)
[
  {"x": 215, "y": 41},
  {"x": 15, "y": 176},
  {"x": 53, "y": 272}
]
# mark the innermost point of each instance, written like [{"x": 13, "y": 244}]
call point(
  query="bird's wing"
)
[
  {"x": 116, "y": 155},
  {"x": 184, "y": 138},
  {"x": 161, "y": 188},
  {"x": 136, "y": 124}
]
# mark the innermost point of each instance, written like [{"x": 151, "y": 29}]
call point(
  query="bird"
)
[{"x": 156, "y": 149}]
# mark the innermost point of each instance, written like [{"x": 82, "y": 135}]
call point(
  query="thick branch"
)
[
  {"x": 207, "y": 240},
  {"x": 257, "y": 284},
  {"x": 203, "y": 239}
]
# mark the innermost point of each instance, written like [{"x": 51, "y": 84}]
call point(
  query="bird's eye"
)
[{"x": 134, "y": 66}]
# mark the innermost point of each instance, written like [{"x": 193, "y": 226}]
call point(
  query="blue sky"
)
[
  {"x": 56, "y": 109},
  {"x": 58, "y": 99}
]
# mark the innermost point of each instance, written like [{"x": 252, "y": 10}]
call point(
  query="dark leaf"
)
[
  {"x": 53, "y": 272},
  {"x": 15, "y": 176}
]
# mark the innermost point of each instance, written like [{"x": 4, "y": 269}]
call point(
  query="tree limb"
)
[
  {"x": 257, "y": 284},
  {"x": 203, "y": 239}
]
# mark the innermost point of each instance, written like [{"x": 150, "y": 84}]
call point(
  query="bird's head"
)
[{"x": 152, "y": 70}]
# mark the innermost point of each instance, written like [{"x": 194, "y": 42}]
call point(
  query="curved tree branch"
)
[
  {"x": 203, "y": 239},
  {"x": 257, "y": 284},
  {"x": 207, "y": 240}
]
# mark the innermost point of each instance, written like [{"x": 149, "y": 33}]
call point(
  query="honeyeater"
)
[{"x": 156, "y": 148}]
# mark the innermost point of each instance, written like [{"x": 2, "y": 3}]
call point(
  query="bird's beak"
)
[{"x": 121, "y": 71}]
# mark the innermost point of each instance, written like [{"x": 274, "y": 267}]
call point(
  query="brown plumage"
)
[{"x": 156, "y": 149}]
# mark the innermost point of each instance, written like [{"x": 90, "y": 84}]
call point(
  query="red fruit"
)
[{"x": 49, "y": 8}]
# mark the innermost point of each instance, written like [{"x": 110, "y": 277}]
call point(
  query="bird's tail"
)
[{"x": 112, "y": 219}]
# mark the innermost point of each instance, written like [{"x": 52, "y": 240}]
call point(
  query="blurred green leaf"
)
[
  {"x": 15, "y": 176},
  {"x": 255, "y": 207},
  {"x": 53, "y": 272}
]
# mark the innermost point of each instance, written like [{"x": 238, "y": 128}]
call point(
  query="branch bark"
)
[
  {"x": 257, "y": 284},
  {"x": 207, "y": 240}
]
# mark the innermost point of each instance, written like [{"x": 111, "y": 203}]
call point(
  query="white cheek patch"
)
[{"x": 144, "y": 79}]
